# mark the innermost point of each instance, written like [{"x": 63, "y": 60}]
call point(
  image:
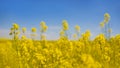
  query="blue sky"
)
[{"x": 85, "y": 13}]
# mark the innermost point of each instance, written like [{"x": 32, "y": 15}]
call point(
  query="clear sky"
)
[{"x": 85, "y": 13}]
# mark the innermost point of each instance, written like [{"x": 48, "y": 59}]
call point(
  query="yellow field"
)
[
  {"x": 62, "y": 53},
  {"x": 81, "y": 52}
]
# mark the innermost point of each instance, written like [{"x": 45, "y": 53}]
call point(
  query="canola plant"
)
[{"x": 82, "y": 52}]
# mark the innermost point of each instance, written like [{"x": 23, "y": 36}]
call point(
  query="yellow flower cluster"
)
[
  {"x": 33, "y": 29},
  {"x": 65, "y": 25},
  {"x": 14, "y": 31},
  {"x": 105, "y": 26},
  {"x": 77, "y": 28},
  {"x": 15, "y": 26},
  {"x": 62, "y": 53},
  {"x": 106, "y": 17},
  {"x": 44, "y": 27},
  {"x": 23, "y": 29}
]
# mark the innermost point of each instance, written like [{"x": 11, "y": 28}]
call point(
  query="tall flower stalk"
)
[
  {"x": 33, "y": 32},
  {"x": 43, "y": 29},
  {"x": 14, "y": 31},
  {"x": 105, "y": 26},
  {"x": 15, "y": 34},
  {"x": 65, "y": 27},
  {"x": 106, "y": 20}
]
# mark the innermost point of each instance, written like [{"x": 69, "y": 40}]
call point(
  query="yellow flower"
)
[
  {"x": 88, "y": 33},
  {"x": 45, "y": 28},
  {"x": 87, "y": 59},
  {"x": 100, "y": 39},
  {"x": 34, "y": 61},
  {"x": 107, "y": 58},
  {"x": 65, "y": 25},
  {"x": 23, "y": 37},
  {"x": 106, "y": 17},
  {"x": 23, "y": 29},
  {"x": 33, "y": 29},
  {"x": 106, "y": 49},
  {"x": 42, "y": 23},
  {"x": 77, "y": 28},
  {"x": 15, "y": 26}
]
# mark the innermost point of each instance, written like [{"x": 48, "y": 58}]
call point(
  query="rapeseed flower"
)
[
  {"x": 65, "y": 25},
  {"x": 23, "y": 29},
  {"x": 15, "y": 26},
  {"x": 33, "y": 29}
]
